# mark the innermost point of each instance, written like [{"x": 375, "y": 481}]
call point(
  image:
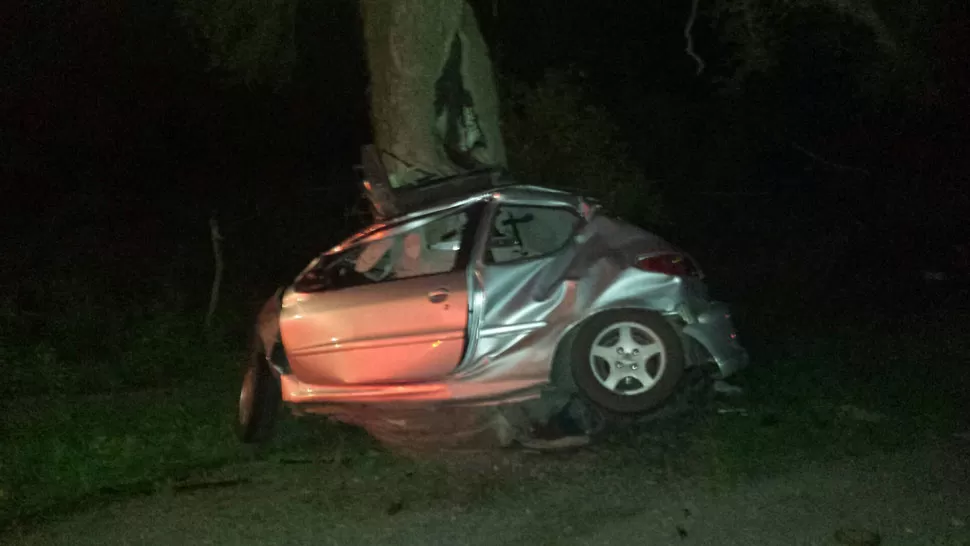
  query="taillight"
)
[{"x": 669, "y": 264}]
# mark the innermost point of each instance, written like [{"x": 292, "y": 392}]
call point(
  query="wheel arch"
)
[
  {"x": 560, "y": 375},
  {"x": 266, "y": 335}
]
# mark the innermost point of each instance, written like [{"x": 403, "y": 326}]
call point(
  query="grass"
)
[
  {"x": 842, "y": 388},
  {"x": 833, "y": 389},
  {"x": 57, "y": 451},
  {"x": 101, "y": 399}
]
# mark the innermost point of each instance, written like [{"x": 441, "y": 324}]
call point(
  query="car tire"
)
[
  {"x": 259, "y": 402},
  {"x": 647, "y": 355}
]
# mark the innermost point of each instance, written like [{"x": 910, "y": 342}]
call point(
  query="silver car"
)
[{"x": 490, "y": 299}]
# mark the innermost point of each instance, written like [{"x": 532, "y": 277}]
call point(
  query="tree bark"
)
[{"x": 434, "y": 103}]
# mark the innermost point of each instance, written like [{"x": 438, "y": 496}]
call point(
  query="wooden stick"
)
[
  {"x": 689, "y": 37},
  {"x": 822, "y": 160},
  {"x": 217, "y": 276}
]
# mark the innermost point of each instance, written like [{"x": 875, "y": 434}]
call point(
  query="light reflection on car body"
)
[{"x": 489, "y": 331}]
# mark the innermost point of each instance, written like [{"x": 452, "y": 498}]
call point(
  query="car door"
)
[
  {"x": 392, "y": 310},
  {"x": 524, "y": 240}
]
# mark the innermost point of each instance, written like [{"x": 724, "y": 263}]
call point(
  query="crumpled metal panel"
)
[{"x": 528, "y": 308}]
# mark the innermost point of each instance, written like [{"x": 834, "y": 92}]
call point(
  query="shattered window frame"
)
[
  {"x": 579, "y": 222},
  {"x": 320, "y": 275}
]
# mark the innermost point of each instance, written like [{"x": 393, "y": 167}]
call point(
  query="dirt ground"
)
[{"x": 908, "y": 498}]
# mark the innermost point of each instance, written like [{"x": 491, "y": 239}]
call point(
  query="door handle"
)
[{"x": 438, "y": 296}]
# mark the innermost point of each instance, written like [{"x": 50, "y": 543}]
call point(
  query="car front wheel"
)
[
  {"x": 628, "y": 361},
  {"x": 259, "y": 401}
]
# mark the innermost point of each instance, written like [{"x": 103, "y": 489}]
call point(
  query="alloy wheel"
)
[{"x": 627, "y": 358}]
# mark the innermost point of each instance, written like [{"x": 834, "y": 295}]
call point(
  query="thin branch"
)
[
  {"x": 217, "y": 275},
  {"x": 689, "y": 37},
  {"x": 733, "y": 193},
  {"x": 822, "y": 160}
]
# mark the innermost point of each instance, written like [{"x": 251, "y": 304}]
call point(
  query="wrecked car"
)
[{"x": 491, "y": 299}]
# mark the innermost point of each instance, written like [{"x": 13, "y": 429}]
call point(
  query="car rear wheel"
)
[
  {"x": 259, "y": 402},
  {"x": 628, "y": 361}
]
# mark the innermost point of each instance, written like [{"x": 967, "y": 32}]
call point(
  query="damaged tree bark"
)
[{"x": 434, "y": 103}]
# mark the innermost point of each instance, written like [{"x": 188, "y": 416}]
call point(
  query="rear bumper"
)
[
  {"x": 732, "y": 365},
  {"x": 714, "y": 330}
]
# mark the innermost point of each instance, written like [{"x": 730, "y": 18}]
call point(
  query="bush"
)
[
  {"x": 79, "y": 341},
  {"x": 555, "y": 137}
]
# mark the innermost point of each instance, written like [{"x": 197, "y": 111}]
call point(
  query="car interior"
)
[{"x": 520, "y": 232}]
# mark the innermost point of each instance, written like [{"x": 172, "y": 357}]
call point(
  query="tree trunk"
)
[{"x": 434, "y": 103}]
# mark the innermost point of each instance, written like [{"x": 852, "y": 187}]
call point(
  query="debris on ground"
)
[
  {"x": 769, "y": 420},
  {"x": 738, "y": 411},
  {"x": 187, "y": 487},
  {"x": 857, "y": 537},
  {"x": 555, "y": 444},
  {"x": 395, "y": 507},
  {"x": 723, "y": 387},
  {"x": 858, "y": 414}
]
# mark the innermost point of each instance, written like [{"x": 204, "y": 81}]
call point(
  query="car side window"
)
[
  {"x": 428, "y": 249},
  {"x": 521, "y": 232}
]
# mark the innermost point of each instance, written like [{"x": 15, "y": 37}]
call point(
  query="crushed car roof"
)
[{"x": 517, "y": 193}]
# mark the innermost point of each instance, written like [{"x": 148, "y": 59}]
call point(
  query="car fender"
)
[{"x": 267, "y": 335}]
